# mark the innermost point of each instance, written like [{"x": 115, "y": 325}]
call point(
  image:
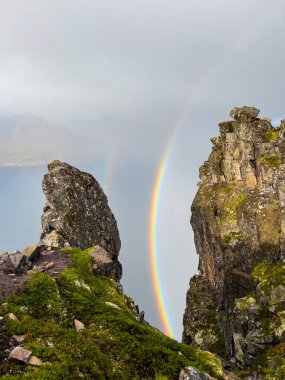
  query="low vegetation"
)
[
  {"x": 270, "y": 160},
  {"x": 113, "y": 344}
]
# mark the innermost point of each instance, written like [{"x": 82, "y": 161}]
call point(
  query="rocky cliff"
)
[
  {"x": 77, "y": 213},
  {"x": 238, "y": 218}
]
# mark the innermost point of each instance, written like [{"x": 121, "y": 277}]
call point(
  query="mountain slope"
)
[{"x": 113, "y": 345}]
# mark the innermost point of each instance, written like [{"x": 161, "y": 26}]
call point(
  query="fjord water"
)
[{"x": 22, "y": 201}]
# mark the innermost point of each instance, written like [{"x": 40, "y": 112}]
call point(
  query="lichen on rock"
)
[
  {"x": 77, "y": 213},
  {"x": 238, "y": 218}
]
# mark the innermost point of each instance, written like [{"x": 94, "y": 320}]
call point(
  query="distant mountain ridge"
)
[{"x": 31, "y": 140}]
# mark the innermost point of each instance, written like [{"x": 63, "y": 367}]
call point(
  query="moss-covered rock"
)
[
  {"x": 238, "y": 219},
  {"x": 113, "y": 344},
  {"x": 260, "y": 321}
]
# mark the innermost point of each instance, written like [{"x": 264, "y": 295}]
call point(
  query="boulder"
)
[
  {"x": 79, "y": 326},
  {"x": 49, "y": 265},
  {"x": 34, "y": 361},
  {"x": 20, "y": 354},
  {"x": 104, "y": 264},
  {"x": 112, "y": 305},
  {"x": 32, "y": 251},
  {"x": 3, "y": 257},
  {"x": 19, "y": 338},
  {"x": 244, "y": 114},
  {"x": 191, "y": 373},
  {"x": 17, "y": 262},
  {"x": 13, "y": 317},
  {"x": 77, "y": 213}
]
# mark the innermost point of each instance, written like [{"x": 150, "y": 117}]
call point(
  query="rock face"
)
[
  {"x": 238, "y": 218},
  {"x": 103, "y": 264},
  {"x": 77, "y": 213}
]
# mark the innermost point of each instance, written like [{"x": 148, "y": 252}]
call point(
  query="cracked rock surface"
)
[
  {"x": 77, "y": 213},
  {"x": 238, "y": 218}
]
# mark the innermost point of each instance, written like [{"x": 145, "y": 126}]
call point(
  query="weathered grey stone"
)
[
  {"x": 238, "y": 218},
  {"x": 277, "y": 295},
  {"x": 34, "y": 361},
  {"x": 191, "y": 373},
  {"x": 77, "y": 213},
  {"x": 244, "y": 114},
  {"x": 113, "y": 305},
  {"x": 140, "y": 316},
  {"x": 17, "y": 262},
  {"x": 104, "y": 264},
  {"x": 49, "y": 265},
  {"x": 79, "y": 326},
  {"x": 20, "y": 354},
  {"x": 13, "y": 317},
  {"x": 19, "y": 338},
  {"x": 3, "y": 256},
  {"x": 32, "y": 251}
]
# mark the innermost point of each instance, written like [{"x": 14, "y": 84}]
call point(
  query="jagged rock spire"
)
[
  {"x": 77, "y": 213},
  {"x": 238, "y": 218}
]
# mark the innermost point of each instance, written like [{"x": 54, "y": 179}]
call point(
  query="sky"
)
[{"x": 127, "y": 79}]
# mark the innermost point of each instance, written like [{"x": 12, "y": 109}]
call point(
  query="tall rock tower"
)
[
  {"x": 238, "y": 218},
  {"x": 77, "y": 213}
]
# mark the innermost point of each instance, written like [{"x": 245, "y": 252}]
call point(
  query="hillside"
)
[{"x": 114, "y": 343}]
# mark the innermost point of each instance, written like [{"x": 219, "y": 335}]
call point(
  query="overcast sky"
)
[{"x": 124, "y": 74}]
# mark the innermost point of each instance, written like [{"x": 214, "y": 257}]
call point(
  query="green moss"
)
[
  {"x": 271, "y": 135},
  {"x": 210, "y": 361},
  {"x": 268, "y": 221},
  {"x": 270, "y": 160},
  {"x": 41, "y": 299},
  {"x": 219, "y": 346},
  {"x": 113, "y": 345},
  {"x": 234, "y": 236},
  {"x": 270, "y": 364},
  {"x": 269, "y": 275},
  {"x": 246, "y": 303},
  {"x": 229, "y": 201}
]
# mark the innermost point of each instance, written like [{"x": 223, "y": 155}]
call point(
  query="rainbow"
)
[
  {"x": 157, "y": 191},
  {"x": 153, "y": 242},
  {"x": 154, "y": 209},
  {"x": 194, "y": 94}
]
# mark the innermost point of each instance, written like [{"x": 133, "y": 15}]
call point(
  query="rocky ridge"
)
[
  {"x": 238, "y": 218},
  {"x": 63, "y": 311}
]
